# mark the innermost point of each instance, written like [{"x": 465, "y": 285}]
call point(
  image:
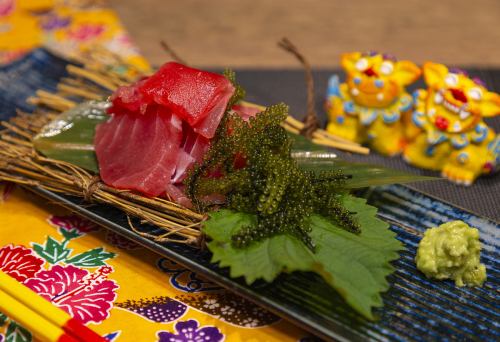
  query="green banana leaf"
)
[
  {"x": 70, "y": 138},
  {"x": 313, "y": 157},
  {"x": 301, "y": 143},
  {"x": 362, "y": 175}
]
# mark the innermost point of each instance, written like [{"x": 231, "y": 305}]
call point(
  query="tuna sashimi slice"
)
[
  {"x": 198, "y": 97},
  {"x": 160, "y": 127},
  {"x": 191, "y": 152},
  {"x": 139, "y": 152},
  {"x": 129, "y": 99},
  {"x": 176, "y": 193},
  {"x": 208, "y": 125},
  {"x": 183, "y": 164}
]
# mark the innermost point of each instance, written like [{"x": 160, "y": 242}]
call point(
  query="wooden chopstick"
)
[
  {"x": 39, "y": 326},
  {"x": 321, "y": 140},
  {"x": 319, "y": 133},
  {"x": 342, "y": 146},
  {"x": 45, "y": 318}
]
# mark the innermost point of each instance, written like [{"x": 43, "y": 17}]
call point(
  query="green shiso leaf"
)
[
  {"x": 261, "y": 260},
  {"x": 70, "y": 137},
  {"x": 355, "y": 265}
]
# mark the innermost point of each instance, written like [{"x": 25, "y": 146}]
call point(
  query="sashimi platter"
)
[{"x": 244, "y": 195}]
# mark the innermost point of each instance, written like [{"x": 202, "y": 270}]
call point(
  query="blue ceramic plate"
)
[{"x": 415, "y": 309}]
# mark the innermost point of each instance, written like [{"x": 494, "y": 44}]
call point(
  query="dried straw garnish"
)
[
  {"x": 168, "y": 49},
  {"x": 311, "y": 122},
  {"x": 310, "y": 125}
]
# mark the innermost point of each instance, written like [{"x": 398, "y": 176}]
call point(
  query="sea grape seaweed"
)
[{"x": 251, "y": 164}]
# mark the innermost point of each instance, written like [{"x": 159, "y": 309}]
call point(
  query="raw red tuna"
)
[
  {"x": 139, "y": 152},
  {"x": 160, "y": 127},
  {"x": 129, "y": 99},
  {"x": 191, "y": 151},
  {"x": 196, "y": 96},
  {"x": 175, "y": 192}
]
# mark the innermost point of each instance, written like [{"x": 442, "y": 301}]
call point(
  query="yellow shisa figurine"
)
[
  {"x": 368, "y": 107},
  {"x": 447, "y": 131}
]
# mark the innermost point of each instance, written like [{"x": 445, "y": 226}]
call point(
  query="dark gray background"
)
[{"x": 271, "y": 86}]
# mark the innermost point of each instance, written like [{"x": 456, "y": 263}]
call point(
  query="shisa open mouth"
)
[{"x": 454, "y": 100}]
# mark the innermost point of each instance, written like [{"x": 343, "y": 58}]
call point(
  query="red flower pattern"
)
[
  {"x": 6, "y": 7},
  {"x": 19, "y": 262},
  {"x": 84, "y": 295},
  {"x": 70, "y": 222},
  {"x": 86, "y": 32}
]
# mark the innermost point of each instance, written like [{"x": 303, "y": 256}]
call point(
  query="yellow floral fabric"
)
[
  {"x": 134, "y": 294},
  {"x": 67, "y": 27}
]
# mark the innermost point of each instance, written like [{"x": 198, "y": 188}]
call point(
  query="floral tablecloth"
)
[{"x": 135, "y": 295}]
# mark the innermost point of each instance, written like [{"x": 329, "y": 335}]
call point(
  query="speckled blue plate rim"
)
[{"x": 457, "y": 206}]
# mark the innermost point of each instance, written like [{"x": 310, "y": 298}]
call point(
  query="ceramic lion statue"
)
[
  {"x": 447, "y": 132},
  {"x": 368, "y": 107}
]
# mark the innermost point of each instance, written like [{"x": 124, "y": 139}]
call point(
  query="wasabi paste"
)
[{"x": 451, "y": 251}]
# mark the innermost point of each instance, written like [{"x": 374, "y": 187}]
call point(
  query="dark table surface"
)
[{"x": 42, "y": 70}]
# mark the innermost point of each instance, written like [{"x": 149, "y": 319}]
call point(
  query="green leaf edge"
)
[{"x": 306, "y": 261}]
